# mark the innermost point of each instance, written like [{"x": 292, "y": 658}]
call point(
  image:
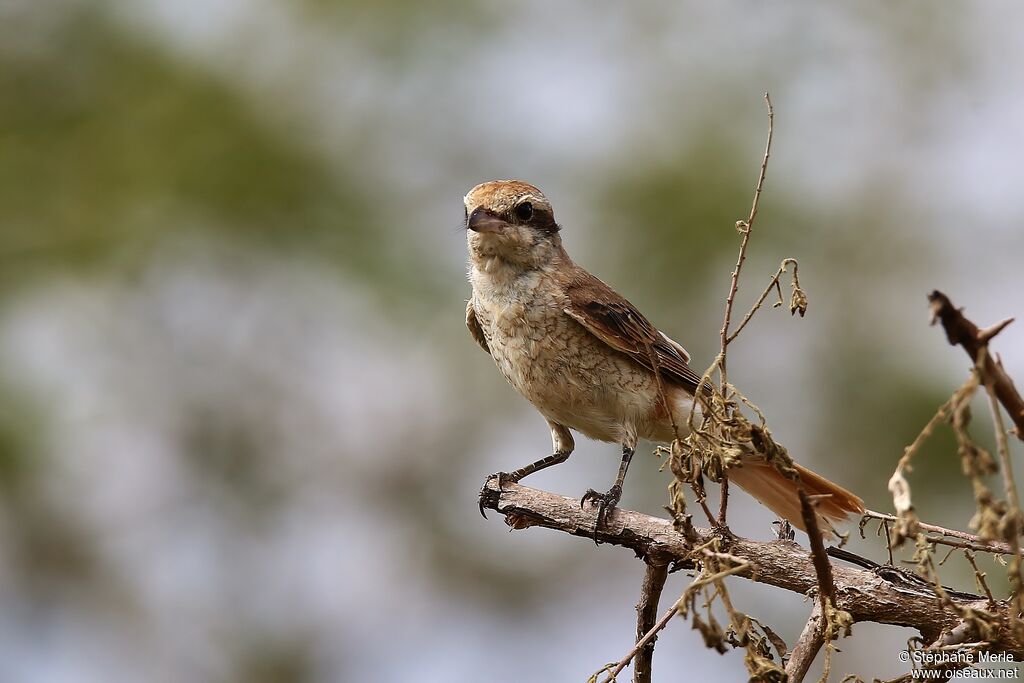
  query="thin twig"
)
[
  {"x": 744, "y": 227},
  {"x": 980, "y": 577},
  {"x": 984, "y": 546},
  {"x": 648, "y": 637},
  {"x": 773, "y": 283},
  {"x": 888, "y": 540},
  {"x": 655, "y": 574},
  {"x": 807, "y": 647},
  {"x": 968, "y": 540},
  {"x": 707, "y": 511},
  {"x": 723, "y": 501}
]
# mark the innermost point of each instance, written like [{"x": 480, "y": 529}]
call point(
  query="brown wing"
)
[
  {"x": 474, "y": 327},
  {"x": 616, "y": 322}
]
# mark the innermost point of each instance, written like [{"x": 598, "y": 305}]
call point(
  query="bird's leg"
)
[
  {"x": 562, "y": 442},
  {"x": 607, "y": 501},
  {"x": 555, "y": 458}
]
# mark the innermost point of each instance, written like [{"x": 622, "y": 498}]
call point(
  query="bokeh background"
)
[{"x": 242, "y": 426}]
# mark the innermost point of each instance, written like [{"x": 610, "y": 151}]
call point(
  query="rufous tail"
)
[{"x": 780, "y": 494}]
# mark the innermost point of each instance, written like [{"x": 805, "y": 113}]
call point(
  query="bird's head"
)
[{"x": 511, "y": 222}]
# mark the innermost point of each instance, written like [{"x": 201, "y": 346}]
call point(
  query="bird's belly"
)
[{"x": 575, "y": 380}]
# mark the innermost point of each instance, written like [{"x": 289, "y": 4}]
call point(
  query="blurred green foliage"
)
[{"x": 112, "y": 149}]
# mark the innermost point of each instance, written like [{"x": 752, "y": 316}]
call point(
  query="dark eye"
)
[{"x": 524, "y": 211}]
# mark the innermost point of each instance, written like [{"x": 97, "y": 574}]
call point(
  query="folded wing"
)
[{"x": 609, "y": 317}]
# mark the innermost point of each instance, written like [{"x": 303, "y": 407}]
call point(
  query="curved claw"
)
[
  {"x": 606, "y": 502},
  {"x": 503, "y": 478}
]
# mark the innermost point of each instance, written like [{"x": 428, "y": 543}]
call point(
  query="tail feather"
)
[{"x": 780, "y": 494}]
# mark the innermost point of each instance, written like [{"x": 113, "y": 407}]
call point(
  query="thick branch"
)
[
  {"x": 883, "y": 597},
  {"x": 962, "y": 332}
]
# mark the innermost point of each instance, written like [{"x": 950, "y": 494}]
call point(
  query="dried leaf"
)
[{"x": 798, "y": 302}]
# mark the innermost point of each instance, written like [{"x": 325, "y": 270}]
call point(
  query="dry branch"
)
[
  {"x": 806, "y": 648},
  {"x": 744, "y": 227},
  {"x": 886, "y": 597},
  {"x": 822, "y": 567},
  {"x": 647, "y": 615},
  {"x": 951, "y": 537},
  {"x": 819, "y": 628},
  {"x": 962, "y": 332}
]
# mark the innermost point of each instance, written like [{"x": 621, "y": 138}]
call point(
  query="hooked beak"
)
[{"x": 482, "y": 220}]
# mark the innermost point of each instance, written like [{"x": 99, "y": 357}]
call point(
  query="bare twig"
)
[
  {"x": 798, "y": 302},
  {"x": 744, "y": 227},
  {"x": 961, "y": 331},
  {"x": 979, "y": 577},
  {"x": 985, "y": 546},
  {"x": 806, "y": 648},
  {"x": 655, "y": 574},
  {"x": 616, "y": 669},
  {"x": 706, "y": 510},
  {"x": 723, "y": 499},
  {"x": 888, "y": 539},
  {"x": 951, "y": 537}
]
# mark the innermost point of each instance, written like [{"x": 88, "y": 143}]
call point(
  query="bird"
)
[{"x": 588, "y": 360}]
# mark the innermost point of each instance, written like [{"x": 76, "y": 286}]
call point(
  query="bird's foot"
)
[
  {"x": 487, "y": 495},
  {"x": 605, "y": 503}
]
